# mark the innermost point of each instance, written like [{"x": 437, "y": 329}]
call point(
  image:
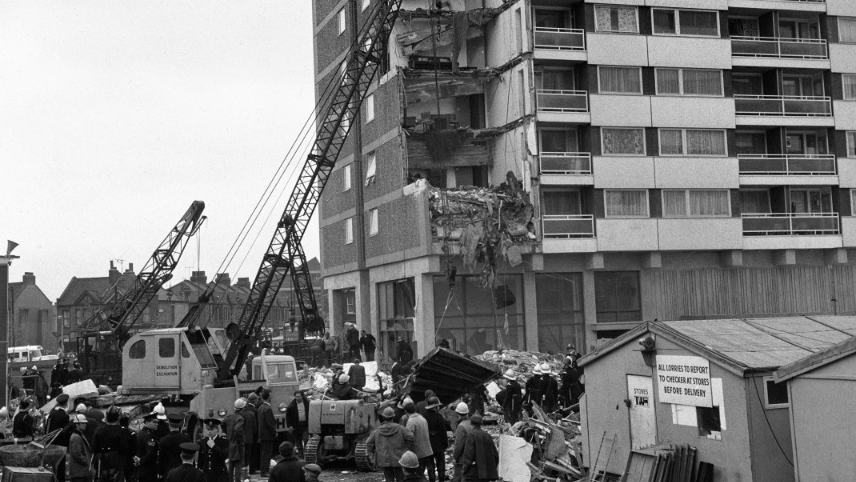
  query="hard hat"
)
[
  {"x": 343, "y": 378},
  {"x": 160, "y": 411},
  {"x": 4, "y": 412},
  {"x": 34, "y": 368},
  {"x": 78, "y": 418},
  {"x": 409, "y": 460},
  {"x": 462, "y": 409},
  {"x": 545, "y": 368},
  {"x": 80, "y": 408},
  {"x": 537, "y": 369},
  {"x": 240, "y": 403},
  {"x": 509, "y": 374},
  {"x": 23, "y": 369},
  {"x": 388, "y": 413}
]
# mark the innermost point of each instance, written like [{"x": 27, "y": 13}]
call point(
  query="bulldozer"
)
[{"x": 339, "y": 430}]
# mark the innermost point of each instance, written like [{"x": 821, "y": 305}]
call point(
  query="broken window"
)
[
  {"x": 775, "y": 394},
  {"x": 349, "y": 230},
  {"x": 560, "y": 311},
  {"x": 373, "y": 222},
  {"x": 709, "y": 424},
  {"x": 372, "y": 168},
  {"x": 617, "y": 296}
]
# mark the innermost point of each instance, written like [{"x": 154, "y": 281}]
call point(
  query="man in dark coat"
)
[
  {"x": 532, "y": 386},
  {"x": 403, "y": 351},
  {"x": 422, "y": 407},
  {"x": 213, "y": 452},
  {"x": 388, "y": 443},
  {"x": 267, "y": 432},
  {"x": 548, "y": 389},
  {"x": 186, "y": 472},
  {"x": 289, "y": 469},
  {"x": 462, "y": 431},
  {"x": 357, "y": 374},
  {"x": 170, "y": 454},
  {"x": 110, "y": 448},
  {"x": 131, "y": 441},
  {"x": 147, "y": 450},
  {"x": 251, "y": 433},
  {"x": 438, "y": 437},
  {"x": 75, "y": 375},
  {"x": 58, "y": 419},
  {"x": 352, "y": 336},
  {"x": 22, "y": 424},
  {"x": 235, "y": 425},
  {"x": 367, "y": 340},
  {"x": 480, "y": 457},
  {"x": 513, "y": 399},
  {"x": 571, "y": 387},
  {"x": 317, "y": 351},
  {"x": 297, "y": 419}
]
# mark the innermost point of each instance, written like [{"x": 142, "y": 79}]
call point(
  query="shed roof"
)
[
  {"x": 816, "y": 360},
  {"x": 746, "y": 345}
]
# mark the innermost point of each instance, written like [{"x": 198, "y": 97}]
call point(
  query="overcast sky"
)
[{"x": 116, "y": 115}]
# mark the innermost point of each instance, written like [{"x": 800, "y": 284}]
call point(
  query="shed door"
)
[{"x": 643, "y": 423}]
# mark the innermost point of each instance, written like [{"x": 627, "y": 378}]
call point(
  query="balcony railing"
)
[
  {"x": 790, "y": 224},
  {"x": 783, "y": 105},
  {"x": 560, "y": 38},
  {"x": 778, "y": 47},
  {"x": 565, "y": 162},
  {"x": 567, "y": 226},
  {"x": 787, "y": 164},
  {"x": 550, "y": 100}
]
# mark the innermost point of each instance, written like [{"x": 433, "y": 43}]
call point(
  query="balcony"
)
[
  {"x": 790, "y": 224},
  {"x": 551, "y": 100},
  {"x": 780, "y": 48},
  {"x": 567, "y": 226},
  {"x": 787, "y": 164},
  {"x": 782, "y": 105},
  {"x": 568, "y": 163},
  {"x": 560, "y": 38}
]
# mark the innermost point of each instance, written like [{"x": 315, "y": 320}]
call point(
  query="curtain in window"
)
[
  {"x": 742, "y": 27},
  {"x": 747, "y": 85},
  {"x": 627, "y": 203},
  {"x": 664, "y": 21},
  {"x": 623, "y": 141},
  {"x": 615, "y": 19},
  {"x": 751, "y": 143},
  {"x": 668, "y": 81},
  {"x": 624, "y": 80},
  {"x": 559, "y": 202},
  {"x": 754, "y": 202},
  {"x": 849, "y": 86},
  {"x": 846, "y": 30},
  {"x": 671, "y": 142},
  {"x": 851, "y": 144},
  {"x": 705, "y": 143},
  {"x": 709, "y": 203},
  {"x": 554, "y": 141},
  {"x": 674, "y": 203},
  {"x": 702, "y": 82},
  {"x": 556, "y": 80},
  {"x": 694, "y": 22}
]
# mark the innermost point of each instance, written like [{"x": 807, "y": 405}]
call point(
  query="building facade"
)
[
  {"x": 682, "y": 159},
  {"x": 32, "y": 316}
]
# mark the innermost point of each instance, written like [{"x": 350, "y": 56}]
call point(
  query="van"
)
[{"x": 25, "y": 353}]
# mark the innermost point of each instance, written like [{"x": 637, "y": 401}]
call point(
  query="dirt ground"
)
[{"x": 338, "y": 472}]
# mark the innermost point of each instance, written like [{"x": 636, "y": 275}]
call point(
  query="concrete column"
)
[
  {"x": 731, "y": 259},
  {"x": 652, "y": 260},
  {"x": 530, "y": 310},
  {"x": 589, "y": 312},
  {"x": 333, "y": 316},
  {"x": 785, "y": 257},
  {"x": 424, "y": 323},
  {"x": 363, "y": 298},
  {"x": 835, "y": 256}
]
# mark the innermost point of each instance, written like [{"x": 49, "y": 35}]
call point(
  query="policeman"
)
[
  {"x": 147, "y": 450},
  {"x": 186, "y": 472},
  {"x": 168, "y": 455},
  {"x": 213, "y": 452}
]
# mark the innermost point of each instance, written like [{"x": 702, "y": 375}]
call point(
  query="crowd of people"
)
[{"x": 326, "y": 350}]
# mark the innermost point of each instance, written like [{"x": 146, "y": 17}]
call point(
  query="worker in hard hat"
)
[
  {"x": 480, "y": 458},
  {"x": 409, "y": 463},
  {"x": 234, "y": 424},
  {"x": 513, "y": 401},
  {"x": 462, "y": 431},
  {"x": 5, "y": 423},
  {"x": 388, "y": 443}
]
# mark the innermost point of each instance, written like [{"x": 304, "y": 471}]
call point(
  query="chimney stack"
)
[
  {"x": 199, "y": 277},
  {"x": 29, "y": 278},
  {"x": 243, "y": 283},
  {"x": 113, "y": 274},
  {"x": 224, "y": 279},
  {"x": 130, "y": 268}
]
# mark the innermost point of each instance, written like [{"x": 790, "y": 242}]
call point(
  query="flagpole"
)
[{"x": 5, "y": 262}]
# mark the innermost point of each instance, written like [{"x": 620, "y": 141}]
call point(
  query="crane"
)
[
  {"x": 99, "y": 350},
  {"x": 284, "y": 254}
]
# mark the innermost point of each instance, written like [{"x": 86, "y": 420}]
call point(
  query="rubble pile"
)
[
  {"x": 522, "y": 362},
  {"x": 319, "y": 380},
  {"x": 488, "y": 223},
  {"x": 556, "y": 447}
]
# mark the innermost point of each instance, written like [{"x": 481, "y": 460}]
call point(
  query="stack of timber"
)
[{"x": 666, "y": 463}]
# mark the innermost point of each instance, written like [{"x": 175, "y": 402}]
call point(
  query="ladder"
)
[{"x": 601, "y": 461}]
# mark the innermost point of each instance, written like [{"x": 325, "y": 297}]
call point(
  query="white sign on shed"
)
[{"x": 684, "y": 380}]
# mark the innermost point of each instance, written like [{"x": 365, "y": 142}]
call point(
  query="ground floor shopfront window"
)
[
  {"x": 560, "y": 311},
  {"x": 396, "y": 302},
  {"x": 474, "y": 319}
]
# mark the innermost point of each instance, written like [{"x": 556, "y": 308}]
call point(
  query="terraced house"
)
[{"x": 682, "y": 159}]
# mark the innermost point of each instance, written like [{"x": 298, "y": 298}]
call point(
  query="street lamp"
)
[{"x": 5, "y": 262}]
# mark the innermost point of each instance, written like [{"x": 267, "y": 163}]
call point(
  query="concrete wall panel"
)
[
  {"x": 683, "y": 172},
  {"x": 614, "y": 49},
  {"x": 693, "y": 234},
  {"x": 623, "y": 172},
  {"x": 845, "y": 114},
  {"x": 620, "y": 110},
  {"x": 841, "y": 8},
  {"x": 627, "y": 235},
  {"x": 703, "y": 112},
  {"x": 847, "y": 172},
  {"x": 684, "y": 52},
  {"x": 700, "y": 4},
  {"x": 842, "y": 58}
]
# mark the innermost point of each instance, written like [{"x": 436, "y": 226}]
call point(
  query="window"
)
[
  {"x": 755, "y": 201},
  {"x": 696, "y": 203},
  {"x": 775, "y": 394},
  {"x": 372, "y": 167},
  {"x": 66, "y": 318},
  {"x": 692, "y": 142},
  {"x": 78, "y": 317},
  {"x": 623, "y": 142},
  {"x": 847, "y": 30},
  {"x": 370, "y": 108},
  {"x": 346, "y": 178},
  {"x": 349, "y": 230},
  {"x": 851, "y": 145},
  {"x": 396, "y": 303},
  {"x": 562, "y": 202},
  {"x": 751, "y": 142},
  {"x": 366, "y": 4},
  {"x": 477, "y": 318},
  {"x": 689, "y": 82},
  {"x": 138, "y": 350},
  {"x": 626, "y": 203},
  {"x": 613, "y": 18},
  {"x": 373, "y": 222},
  {"x": 350, "y": 302},
  {"x": 342, "y": 25},
  {"x": 560, "y": 311},
  {"x": 184, "y": 352},
  {"x": 686, "y": 22},
  {"x": 709, "y": 422},
  {"x": 620, "y": 80},
  {"x": 849, "y": 81},
  {"x": 617, "y": 296},
  {"x": 166, "y": 347}
]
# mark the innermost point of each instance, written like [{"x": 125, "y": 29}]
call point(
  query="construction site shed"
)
[
  {"x": 822, "y": 394},
  {"x": 705, "y": 383}
]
